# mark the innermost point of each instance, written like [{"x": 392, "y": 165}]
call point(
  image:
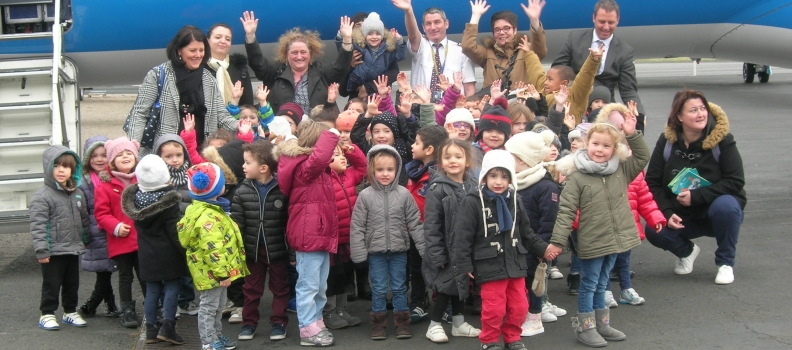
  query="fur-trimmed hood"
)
[
  {"x": 291, "y": 149},
  {"x": 360, "y": 39},
  {"x": 716, "y": 130},
  {"x": 609, "y": 108},
  {"x": 128, "y": 203}
]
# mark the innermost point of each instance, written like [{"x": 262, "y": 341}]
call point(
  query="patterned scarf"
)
[
  {"x": 223, "y": 79},
  {"x": 179, "y": 175},
  {"x": 585, "y": 165},
  {"x": 486, "y": 148},
  {"x": 144, "y": 199}
]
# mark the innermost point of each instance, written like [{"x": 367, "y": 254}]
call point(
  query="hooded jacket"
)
[
  {"x": 304, "y": 175},
  {"x": 183, "y": 191},
  {"x": 442, "y": 205},
  {"x": 95, "y": 258},
  {"x": 213, "y": 245},
  {"x": 375, "y": 61},
  {"x": 491, "y": 56},
  {"x": 160, "y": 255},
  {"x": 726, "y": 173},
  {"x": 254, "y": 218},
  {"x": 345, "y": 194},
  {"x": 607, "y": 225},
  {"x": 59, "y": 221},
  {"x": 385, "y": 217}
]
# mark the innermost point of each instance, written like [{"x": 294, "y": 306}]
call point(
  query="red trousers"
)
[
  {"x": 254, "y": 289},
  {"x": 501, "y": 298}
]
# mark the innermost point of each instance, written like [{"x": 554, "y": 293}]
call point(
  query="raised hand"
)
[
  {"x": 332, "y": 92},
  {"x": 403, "y": 5},
  {"x": 372, "y": 107},
  {"x": 524, "y": 45},
  {"x": 357, "y": 58},
  {"x": 249, "y": 24},
  {"x": 261, "y": 94},
  {"x": 405, "y": 105},
  {"x": 561, "y": 95},
  {"x": 189, "y": 122},
  {"x": 633, "y": 107},
  {"x": 244, "y": 126},
  {"x": 423, "y": 94},
  {"x": 597, "y": 54},
  {"x": 534, "y": 92},
  {"x": 495, "y": 89},
  {"x": 453, "y": 133},
  {"x": 534, "y": 9},
  {"x": 346, "y": 28},
  {"x": 479, "y": 7},
  {"x": 518, "y": 86},
  {"x": 629, "y": 128},
  {"x": 401, "y": 80},
  {"x": 236, "y": 92},
  {"x": 458, "y": 81},
  {"x": 395, "y": 34},
  {"x": 569, "y": 120},
  {"x": 442, "y": 82},
  {"x": 483, "y": 102}
]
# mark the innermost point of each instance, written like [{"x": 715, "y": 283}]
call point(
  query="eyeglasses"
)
[
  {"x": 460, "y": 125},
  {"x": 505, "y": 29}
]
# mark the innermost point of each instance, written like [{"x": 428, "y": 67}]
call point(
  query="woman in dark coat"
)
[
  {"x": 228, "y": 69},
  {"x": 697, "y": 136}
]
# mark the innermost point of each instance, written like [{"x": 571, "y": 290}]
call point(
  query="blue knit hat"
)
[{"x": 205, "y": 181}]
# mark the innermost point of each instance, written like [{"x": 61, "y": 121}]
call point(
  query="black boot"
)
[
  {"x": 89, "y": 308},
  {"x": 151, "y": 333},
  {"x": 573, "y": 281},
  {"x": 111, "y": 310},
  {"x": 168, "y": 333},
  {"x": 363, "y": 286},
  {"x": 129, "y": 317}
]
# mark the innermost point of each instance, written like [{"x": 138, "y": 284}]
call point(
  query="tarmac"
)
[{"x": 681, "y": 312}]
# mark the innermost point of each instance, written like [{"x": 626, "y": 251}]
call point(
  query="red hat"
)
[
  {"x": 291, "y": 110},
  {"x": 346, "y": 120},
  {"x": 205, "y": 181},
  {"x": 495, "y": 118}
]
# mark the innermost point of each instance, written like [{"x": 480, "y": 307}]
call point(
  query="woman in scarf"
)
[{"x": 228, "y": 68}]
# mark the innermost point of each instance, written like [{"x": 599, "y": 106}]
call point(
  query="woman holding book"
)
[{"x": 697, "y": 137}]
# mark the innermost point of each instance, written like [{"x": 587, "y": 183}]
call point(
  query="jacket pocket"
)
[
  {"x": 521, "y": 258},
  {"x": 486, "y": 262}
]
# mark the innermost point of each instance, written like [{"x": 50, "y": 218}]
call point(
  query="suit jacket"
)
[{"x": 619, "y": 64}]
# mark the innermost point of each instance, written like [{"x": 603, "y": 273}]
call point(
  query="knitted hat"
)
[
  {"x": 541, "y": 128},
  {"x": 116, "y": 146},
  {"x": 346, "y": 121},
  {"x": 530, "y": 147},
  {"x": 372, "y": 23},
  {"x": 579, "y": 132},
  {"x": 388, "y": 119},
  {"x": 152, "y": 173},
  {"x": 599, "y": 92},
  {"x": 205, "y": 181},
  {"x": 291, "y": 110},
  {"x": 495, "y": 118},
  {"x": 90, "y": 145},
  {"x": 229, "y": 158},
  {"x": 460, "y": 115},
  {"x": 497, "y": 159}
]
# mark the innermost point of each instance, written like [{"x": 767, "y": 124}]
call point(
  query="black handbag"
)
[{"x": 153, "y": 120}]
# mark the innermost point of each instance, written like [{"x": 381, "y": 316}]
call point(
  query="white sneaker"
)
[
  {"x": 236, "y": 315},
  {"x": 684, "y": 265},
  {"x": 229, "y": 308},
  {"x": 553, "y": 309},
  {"x": 725, "y": 275},
  {"x": 609, "y": 301},
  {"x": 48, "y": 322},
  {"x": 630, "y": 296},
  {"x": 555, "y": 274},
  {"x": 74, "y": 319},
  {"x": 548, "y": 317},
  {"x": 532, "y": 325},
  {"x": 191, "y": 310},
  {"x": 436, "y": 334},
  {"x": 465, "y": 330}
]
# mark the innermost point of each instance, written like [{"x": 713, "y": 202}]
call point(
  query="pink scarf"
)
[{"x": 125, "y": 179}]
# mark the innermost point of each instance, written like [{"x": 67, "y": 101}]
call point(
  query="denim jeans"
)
[
  {"x": 593, "y": 281},
  {"x": 723, "y": 221},
  {"x": 186, "y": 292},
  {"x": 154, "y": 289},
  {"x": 622, "y": 268},
  {"x": 388, "y": 267},
  {"x": 210, "y": 313},
  {"x": 313, "y": 268}
]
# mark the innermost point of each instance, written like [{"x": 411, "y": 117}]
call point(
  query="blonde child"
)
[
  {"x": 381, "y": 216},
  {"x": 380, "y": 49},
  {"x": 59, "y": 225},
  {"x": 449, "y": 185},
  {"x": 596, "y": 186}
]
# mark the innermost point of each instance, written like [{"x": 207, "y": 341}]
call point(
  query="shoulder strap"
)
[
  {"x": 667, "y": 150},
  {"x": 716, "y": 152},
  {"x": 159, "y": 84}
]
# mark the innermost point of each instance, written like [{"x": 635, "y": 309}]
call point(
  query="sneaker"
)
[
  {"x": 532, "y": 325},
  {"x": 417, "y": 314},
  {"x": 491, "y": 346},
  {"x": 236, "y": 316},
  {"x": 48, "y": 322},
  {"x": 247, "y": 332},
  {"x": 548, "y": 317},
  {"x": 725, "y": 275},
  {"x": 322, "y": 339},
  {"x": 465, "y": 330},
  {"x": 436, "y": 334},
  {"x": 609, "y": 301},
  {"x": 74, "y": 319},
  {"x": 554, "y": 273},
  {"x": 227, "y": 343},
  {"x": 178, "y": 314},
  {"x": 518, "y": 345},
  {"x": 553, "y": 309},
  {"x": 229, "y": 308},
  {"x": 630, "y": 296},
  {"x": 278, "y": 332},
  {"x": 292, "y": 306},
  {"x": 684, "y": 265},
  {"x": 217, "y": 345},
  {"x": 191, "y": 310}
]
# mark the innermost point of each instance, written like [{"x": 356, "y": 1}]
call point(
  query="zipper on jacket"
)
[
  {"x": 613, "y": 220},
  {"x": 387, "y": 221},
  {"x": 261, "y": 221}
]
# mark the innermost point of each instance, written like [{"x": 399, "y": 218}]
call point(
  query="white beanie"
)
[
  {"x": 152, "y": 173},
  {"x": 372, "y": 23},
  {"x": 530, "y": 147},
  {"x": 497, "y": 159},
  {"x": 460, "y": 115}
]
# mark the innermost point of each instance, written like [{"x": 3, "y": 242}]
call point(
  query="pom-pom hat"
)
[
  {"x": 205, "y": 181},
  {"x": 372, "y": 23}
]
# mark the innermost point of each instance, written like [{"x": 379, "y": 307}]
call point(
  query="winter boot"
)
[
  {"x": 88, "y": 309},
  {"x": 586, "y": 330},
  {"x": 363, "y": 286},
  {"x": 151, "y": 333},
  {"x": 402, "y": 321},
  {"x": 573, "y": 281},
  {"x": 603, "y": 326},
  {"x": 111, "y": 310},
  {"x": 341, "y": 305},
  {"x": 331, "y": 318},
  {"x": 129, "y": 317},
  {"x": 168, "y": 333},
  {"x": 378, "y": 322}
]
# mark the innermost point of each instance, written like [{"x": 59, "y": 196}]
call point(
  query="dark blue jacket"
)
[{"x": 541, "y": 205}]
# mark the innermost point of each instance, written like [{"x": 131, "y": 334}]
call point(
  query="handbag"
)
[
  {"x": 153, "y": 119},
  {"x": 539, "y": 284}
]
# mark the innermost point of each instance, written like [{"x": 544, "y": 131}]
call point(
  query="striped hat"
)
[
  {"x": 205, "y": 181},
  {"x": 495, "y": 118}
]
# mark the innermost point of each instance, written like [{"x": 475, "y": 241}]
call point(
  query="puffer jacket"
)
[
  {"x": 304, "y": 177},
  {"x": 183, "y": 190},
  {"x": 95, "y": 258},
  {"x": 643, "y": 205},
  {"x": 491, "y": 255},
  {"x": 726, "y": 173},
  {"x": 213, "y": 244},
  {"x": 375, "y": 62},
  {"x": 59, "y": 221},
  {"x": 385, "y": 217},
  {"x": 345, "y": 194},
  {"x": 109, "y": 214},
  {"x": 253, "y": 217},
  {"x": 442, "y": 206},
  {"x": 490, "y": 55},
  {"x": 541, "y": 203},
  {"x": 607, "y": 225},
  {"x": 160, "y": 255}
]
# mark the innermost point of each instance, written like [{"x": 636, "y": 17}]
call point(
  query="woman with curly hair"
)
[{"x": 294, "y": 76}]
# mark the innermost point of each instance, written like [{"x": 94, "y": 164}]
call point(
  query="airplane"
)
[{"x": 117, "y": 42}]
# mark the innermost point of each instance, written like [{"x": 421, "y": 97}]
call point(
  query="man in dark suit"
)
[{"x": 618, "y": 67}]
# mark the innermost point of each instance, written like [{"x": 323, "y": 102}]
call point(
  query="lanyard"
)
[{"x": 439, "y": 71}]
